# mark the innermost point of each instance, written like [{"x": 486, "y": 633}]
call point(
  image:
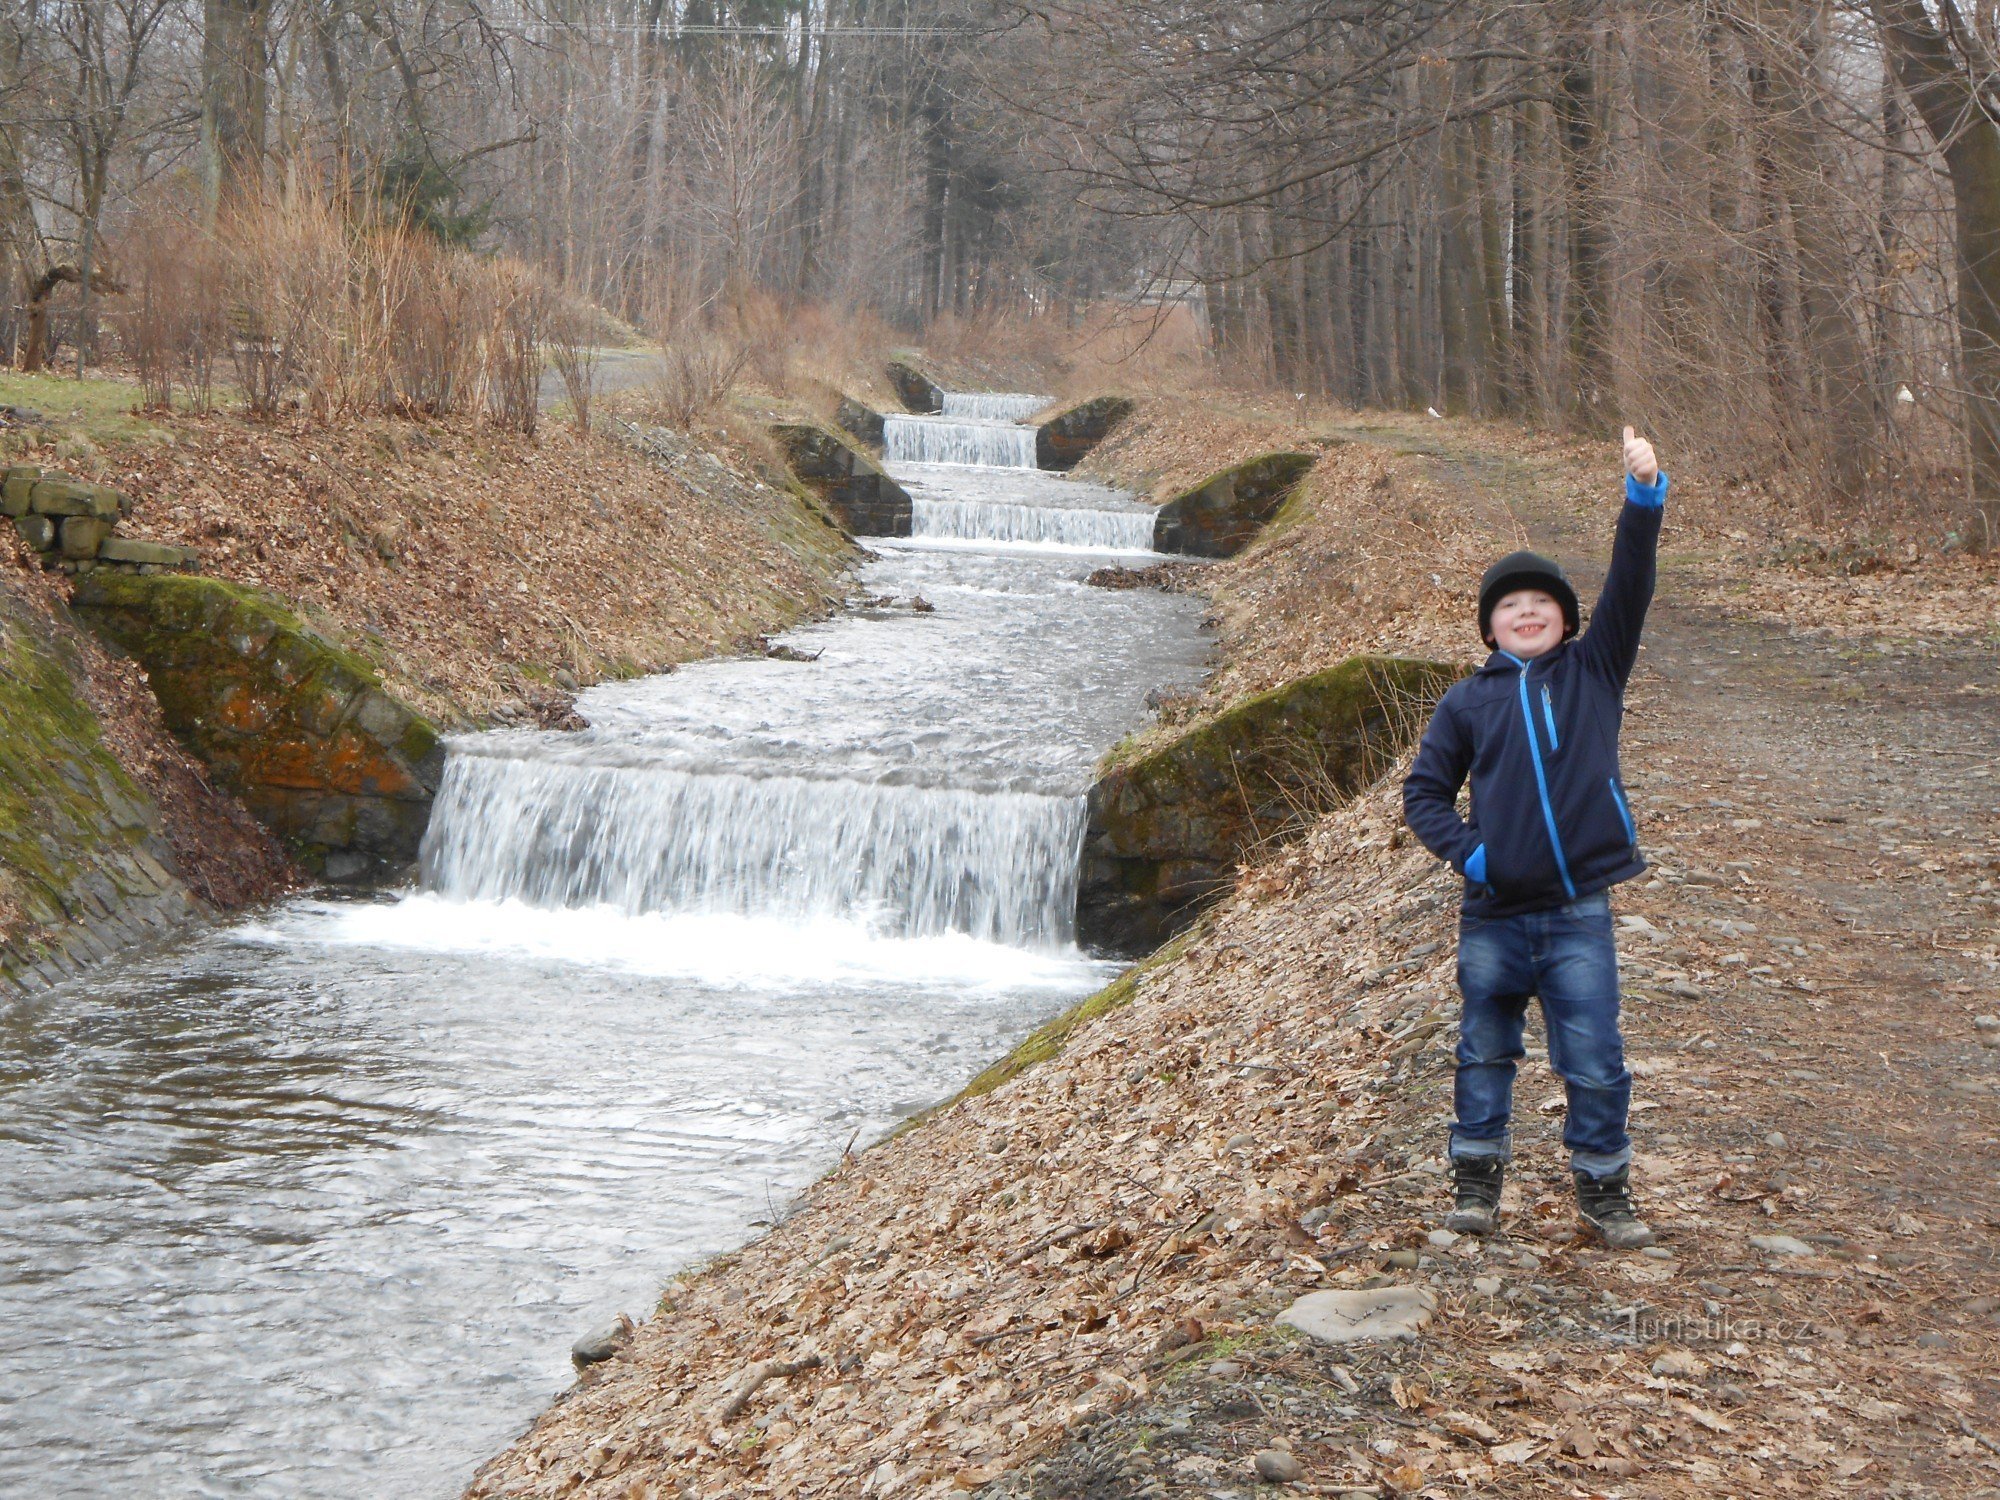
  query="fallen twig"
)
[{"x": 754, "y": 1377}]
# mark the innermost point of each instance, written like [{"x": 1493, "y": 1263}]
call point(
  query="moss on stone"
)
[
  {"x": 1222, "y": 514},
  {"x": 299, "y": 727},
  {"x": 73, "y": 824},
  {"x": 1169, "y": 823}
]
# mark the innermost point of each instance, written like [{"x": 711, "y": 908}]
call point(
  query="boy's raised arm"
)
[
  {"x": 1612, "y": 641},
  {"x": 1430, "y": 792}
]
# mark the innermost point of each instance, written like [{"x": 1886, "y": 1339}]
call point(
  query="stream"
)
[{"x": 313, "y": 1205}]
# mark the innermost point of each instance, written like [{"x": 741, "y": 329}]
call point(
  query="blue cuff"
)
[
  {"x": 1652, "y": 496},
  {"x": 1475, "y": 866}
]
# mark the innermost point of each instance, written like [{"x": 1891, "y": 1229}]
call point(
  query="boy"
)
[{"x": 1536, "y": 729}]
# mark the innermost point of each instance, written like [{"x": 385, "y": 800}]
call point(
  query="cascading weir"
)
[
  {"x": 961, "y": 441},
  {"x": 906, "y": 861},
  {"x": 992, "y": 406},
  {"x": 1098, "y": 530},
  {"x": 601, "y": 822}
]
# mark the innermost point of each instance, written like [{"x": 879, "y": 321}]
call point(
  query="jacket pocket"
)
[
  {"x": 1624, "y": 812},
  {"x": 1515, "y": 872}
]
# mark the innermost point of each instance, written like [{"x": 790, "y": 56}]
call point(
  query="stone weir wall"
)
[
  {"x": 72, "y": 524},
  {"x": 861, "y": 495},
  {"x": 299, "y": 729},
  {"x": 84, "y": 870},
  {"x": 1167, "y": 827}
]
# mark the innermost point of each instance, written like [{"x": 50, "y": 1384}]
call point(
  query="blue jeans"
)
[{"x": 1566, "y": 956}]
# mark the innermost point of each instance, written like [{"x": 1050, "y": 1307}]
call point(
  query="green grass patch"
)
[{"x": 99, "y": 411}]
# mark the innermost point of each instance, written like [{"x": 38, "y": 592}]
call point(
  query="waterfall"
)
[
  {"x": 992, "y": 406},
  {"x": 1057, "y": 525},
  {"x": 944, "y": 440},
  {"x": 911, "y": 861}
]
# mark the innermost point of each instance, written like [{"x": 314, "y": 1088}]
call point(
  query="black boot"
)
[
  {"x": 1605, "y": 1206},
  {"x": 1475, "y": 1182}
]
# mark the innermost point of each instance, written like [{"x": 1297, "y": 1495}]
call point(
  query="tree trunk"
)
[
  {"x": 235, "y": 63},
  {"x": 1581, "y": 133},
  {"x": 1944, "y": 90}
]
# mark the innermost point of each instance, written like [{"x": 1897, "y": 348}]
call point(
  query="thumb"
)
[{"x": 1630, "y": 434}]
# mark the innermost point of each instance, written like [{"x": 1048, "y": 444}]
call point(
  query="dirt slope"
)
[{"x": 1064, "y": 1287}]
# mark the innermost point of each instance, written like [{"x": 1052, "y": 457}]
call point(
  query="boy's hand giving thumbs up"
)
[{"x": 1640, "y": 461}]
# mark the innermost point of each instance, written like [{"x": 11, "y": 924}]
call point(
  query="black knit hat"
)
[{"x": 1526, "y": 570}]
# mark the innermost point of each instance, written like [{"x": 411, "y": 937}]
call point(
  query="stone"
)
[
  {"x": 1220, "y": 516},
  {"x": 82, "y": 536},
  {"x": 1442, "y": 1239},
  {"x": 860, "y": 422},
  {"x": 39, "y": 532},
  {"x": 1063, "y": 440},
  {"x": 1352, "y": 1317},
  {"x": 1987, "y": 1023},
  {"x": 1780, "y": 1244},
  {"x": 75, "y": 829},
  {"x": 14, "y": 491},
  {"x": 1276, "y": 1466},
  {"x": 298, "y": 728},
  {"x": 1776, "y": 1140},
  {"x": 1933, "y": 1341},
  {"x": 1487, "y": 1286},
  {"x": 595, "y": 1348},
  {"x": 124, "y": 549},
  {"x": 866, "y": 501},
  {"x": 1224, "y": 1369},
  {"x": 58, "y": 496},
  {"x": 916, "y": 390},
  {"x": 1402, "y": 1260},
  {"x": 1241, "y": 1142},
  {"x": 1166, "y": 830}
]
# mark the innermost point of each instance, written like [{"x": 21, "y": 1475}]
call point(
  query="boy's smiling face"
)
[{"x": 1527, "y": 622}]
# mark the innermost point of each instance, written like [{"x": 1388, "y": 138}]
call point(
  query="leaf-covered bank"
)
[{"x": 1031, "y": 1290}]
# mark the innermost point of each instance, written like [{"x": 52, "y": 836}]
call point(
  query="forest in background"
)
[{"x": 1767, "y": 229}]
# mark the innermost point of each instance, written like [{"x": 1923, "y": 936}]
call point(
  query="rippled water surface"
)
[{"x": 313, "y": 1206}]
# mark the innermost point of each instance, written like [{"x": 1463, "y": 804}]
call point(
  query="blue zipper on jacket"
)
[
  {"x": 1542, "y": 778},
  {"x": 1624, "y": 812},
  {"x": 1549, "y": 718}
]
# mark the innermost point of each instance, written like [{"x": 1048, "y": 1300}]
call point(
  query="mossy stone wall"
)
[
  {"x": 83, "y": 870},
  {"x": 917, "y": 391},
  {"x": 862, "y": 423},
  {"x": 1220, "y": 516},
  {"x": 1167, "y": 829},
  {"x": 1063, "y": 440},
  {"x": 853, "y": 486},
  {"x": 301, "y": 730}
]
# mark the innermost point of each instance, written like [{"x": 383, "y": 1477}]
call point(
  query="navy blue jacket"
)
[{"x": 1539, "y": 739}]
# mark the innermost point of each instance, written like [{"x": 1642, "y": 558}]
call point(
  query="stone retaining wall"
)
[
  {"x": 1063, "y": 440},
  {"x": 914, "y": 388},
  {"x": 853, "y": 486},
  {"x": 1167, "y": 829},
  {"x": 72, "y": 523},
  {"x": 84, "y": 870},
  {"x": 1220, "y": 516},
  {"x": 301, "y": 730}
]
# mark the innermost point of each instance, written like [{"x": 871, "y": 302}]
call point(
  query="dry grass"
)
[{"x": 479, "y": 568}]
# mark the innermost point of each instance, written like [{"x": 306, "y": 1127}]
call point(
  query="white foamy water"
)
[
  {"x": 958, "y": 441},
  {"x": 993, "y": 406},
  {"x": 913, "y": 861},
  {"x": 723, "y": 952},
  {"x": 1033, "y": 525}
]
